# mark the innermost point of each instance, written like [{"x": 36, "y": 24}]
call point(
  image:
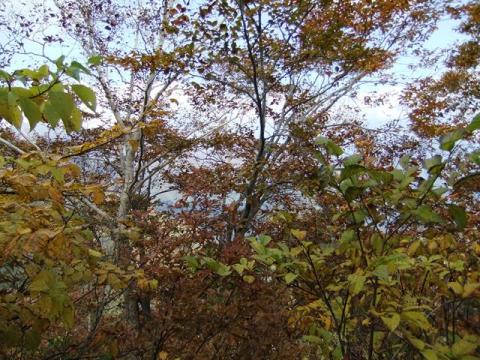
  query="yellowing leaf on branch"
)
[
  {"x": 299, "y": 234},
  {"x": 391, "y": 322}
]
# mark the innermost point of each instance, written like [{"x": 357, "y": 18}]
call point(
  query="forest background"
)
[{"x": 202, "y": 180}]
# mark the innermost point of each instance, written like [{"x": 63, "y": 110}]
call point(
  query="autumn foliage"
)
[{"x": 196, "y": 185}]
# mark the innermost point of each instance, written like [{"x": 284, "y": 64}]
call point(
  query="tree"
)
[
  {"x": 440, "y": 103},
  {"x": 395, "y": 274},
  {"x": 221, "y": 120},
  {"x": 49, "y": 262}
]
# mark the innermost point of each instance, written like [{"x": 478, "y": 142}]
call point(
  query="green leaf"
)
[
  {"x": 31, "y": 111},
  {"x": 357, "y": 282},
  {"x": 223, "y": 270},
  {"x": 42, "y": 282},
  {"x": 94, "y": 253},
  {"x": 290, "y": 277},
  {"x": 417, "y": 343},
  {"x": 32, "y": 339},
  {"x": 475, "y": 157},
  {"x": 427, "y": 215},
  {"x": 95, "y": 60},
  {"x": 76, "y": 64},
  {"x": 377, "y": 243},
  {"x": 429, "y": 354},
  {"x": 337, "y": 353},
  {"x": 459, "y": 215},
  {"x": 263, "y": 239},
  {"x": 381, "y": 176},
  {"x": 63, "y": 104},
  {"x": 447, "y": 142},
  {"x": 359, "y": 216},
  {"x": 404, "y": 161},
  {"x": 4, "y": 75},
  {"x": 27, "y": 73},
  {"x": 433, "y": 164},
  {"x": 43, "y": 71},
  {"x": 312, "y": 339},
  {"x": 114, "y": 281},
  {"x": 216, "y": 266},
  {"x": 60, "y": 61},
  {"x": 68, "y": 317},
  {"x": 75, "y": 69},
  {"x": 86, "y": 95},
  {"x": 464, "y": 347},
  {"x": 239, "y": 268},
  {"x": 51, "y": 114},
  {"x": 347, "y": 236},
  {"x": 11, "y": 113},
  {"x": 391, "y": 322},
  {"x": 75, "y": 122},
  {"x": 331, "y": 147},
  {"x": 381, "y": 272},
  {"x": 352, "y": 160},
  {"x": 439, "y": 191},
  {"x": 12, "y": 98},
  {"x": 475, "y": 124},
  {"x": 416, "y": 318},
  {"x": 352, "y": 170}
]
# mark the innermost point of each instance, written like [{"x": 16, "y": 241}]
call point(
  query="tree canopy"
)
[{"x": 196, "y": 183}]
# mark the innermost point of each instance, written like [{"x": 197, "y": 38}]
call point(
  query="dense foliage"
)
[{"x": 195, "y": 184}]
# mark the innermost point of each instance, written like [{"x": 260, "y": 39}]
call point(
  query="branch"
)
[{"x": 11, "y": 146}]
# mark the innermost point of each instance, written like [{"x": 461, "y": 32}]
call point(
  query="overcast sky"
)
[{"x": 375, "y": 116}]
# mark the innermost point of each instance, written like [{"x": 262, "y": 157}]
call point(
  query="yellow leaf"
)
[
  {"x": 327, "y": 322},
  {"x": 456, "y": 287},
  {"x": 98, "y": 197},
  {"x": 55, "y": 194},
  {"x": 416, "y": 318},
  {"x": 68, "y": 317},
  {"x": 74, "y": 170},
  {"x": 463, "y": 347},
  {"x": 42, "y": 282},
  {"x": 391, "y": 322},
  {"x": 419, "y": 344},
  {"x": 94, "y": 253},
  {"x": 476, "y": 248},
  {"x": 114, "y": 281},
  {"x": 299, "y": 234},
  {"x": 248, "y": 279},
  {"x": 412, "y": 249},
  {"x": 366, "y": 322},
  {"x": 289, "y": 277},
  {"x": 468, "y": 289},
  {"x": 23, "y": 231},
  {"x": 163, "y": 355},
  {"x": 429, "y": 354},
  {"x": 11, "y": 113},
  {"x": 102, "y": 278},
  {"x": 357, "y": 282},
  {"x": 142, "y": 284}
]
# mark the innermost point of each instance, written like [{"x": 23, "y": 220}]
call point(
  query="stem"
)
[
  {"x": 11, "y": 146},
  {"x": 372, "y": 326}
]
